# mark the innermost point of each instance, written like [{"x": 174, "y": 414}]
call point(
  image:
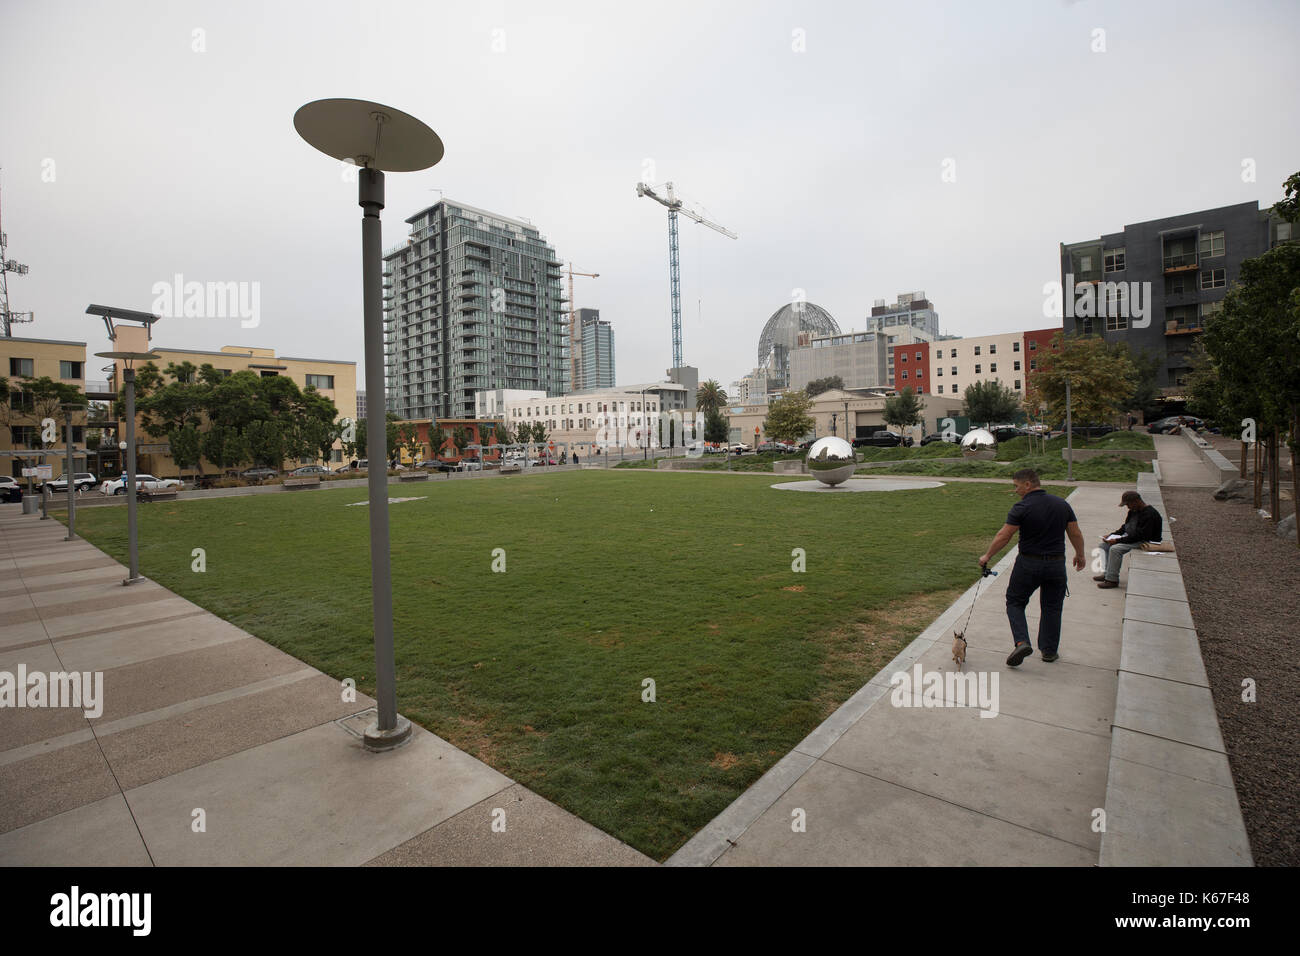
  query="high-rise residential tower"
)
[
  {"x": 596, "y": 351},
  {"x": 472, "y": 301}
]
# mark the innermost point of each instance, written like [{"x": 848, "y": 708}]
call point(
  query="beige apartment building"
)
[
  {"x": 38, "y": 358},
  {"x": 848, "y": 414},
  {"x": 628, "y": 411},
  {"x": 334, "y": 379},
  {"x": 860, "y": 359}
]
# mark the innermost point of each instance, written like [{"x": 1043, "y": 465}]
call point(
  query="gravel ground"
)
[{"x": 1243, "y": 582}]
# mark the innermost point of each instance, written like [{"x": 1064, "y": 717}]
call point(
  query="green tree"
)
[
  {"x": 1289, "y": 208},
  {"x": 1146, "y": 368},
  {"x": 225, "y": 446},
  {"x": 904, "y": 409},
  {"x": 1254, "y": 342},
  {"x": 710, "y": 396},
  {"x": 186, "y": 445},
  {"x": 1101, "y": 379},
  {"x": 715, "y": 427},
  {"x": 266, "y": 443},
  {"x": 990, "y": 401},
  {"x": 787, "y": 418},
  {"x": 819, "y": 385},
  {"x": 461, "y": 437}
]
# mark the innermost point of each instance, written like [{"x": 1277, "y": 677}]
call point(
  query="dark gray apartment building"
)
[
  {"x": 1155, "y": 284},
  {"x": 595, "y": 351},
  {"x": 472, "y": 301}
]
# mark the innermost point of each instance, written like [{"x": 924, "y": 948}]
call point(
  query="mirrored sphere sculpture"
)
[
  {"x": 831, "y": 460},
  {"x": 978, "y": 439}
]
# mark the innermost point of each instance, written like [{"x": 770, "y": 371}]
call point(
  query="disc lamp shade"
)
[{"x": 368, "y": 134}]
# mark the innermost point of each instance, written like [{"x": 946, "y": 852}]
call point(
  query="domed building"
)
[{"x": 781, "y": 334}]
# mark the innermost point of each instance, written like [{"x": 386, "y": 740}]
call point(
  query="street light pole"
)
[
  {"x": 70, "y": 476},
  {"x": 1069, "y": 436},
  {"x": 375, "y": 138}
]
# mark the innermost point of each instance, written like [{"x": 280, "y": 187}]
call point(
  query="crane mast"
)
[{"x": 675, "y": 206}]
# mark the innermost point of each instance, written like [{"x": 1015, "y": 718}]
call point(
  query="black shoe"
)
[
  {"x": 1048, "y": 656},
  {"x": 1019, "y": 654}
]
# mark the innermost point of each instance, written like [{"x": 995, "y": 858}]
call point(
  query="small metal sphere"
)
[{"x": 831, "y": 460}]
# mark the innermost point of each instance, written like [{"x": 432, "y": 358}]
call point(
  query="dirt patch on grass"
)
[
  {"x": 723, "y": 761},
  {"x": 857, "y": 653},
  {"x": 1242, "y": 583},
  {"x": 794, "y": 587}
]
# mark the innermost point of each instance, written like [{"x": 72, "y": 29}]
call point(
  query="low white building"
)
[{"x": 577, "y": 418}]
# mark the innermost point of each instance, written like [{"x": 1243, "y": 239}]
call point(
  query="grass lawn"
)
[{"x": 611, "y": 577}]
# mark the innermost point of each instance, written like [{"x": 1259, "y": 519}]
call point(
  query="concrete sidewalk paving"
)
[
  {"x": 885, "y": 785},
  {"x": 202, "y": 720},
  {"x": 1180, "y": 466}
]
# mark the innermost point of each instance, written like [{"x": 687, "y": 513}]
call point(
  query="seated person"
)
[{"x": 1144, "y": 524}]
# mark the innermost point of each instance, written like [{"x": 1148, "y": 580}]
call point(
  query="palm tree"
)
[{"x": 710, "y": 397}]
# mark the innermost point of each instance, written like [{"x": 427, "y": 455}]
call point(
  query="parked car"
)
[
  {"x": 258, "y": 474},
  {"x": 1007, "y": 432},
  {"x": 950, "y": 437},
  {"x": 306, "y": 471},
  {"x": 10, "y": 492},
  {"x": 739, "y": 448},
  {"x": 7, "y": 481},
  {"x": 82, "y": 481},
  {"x": 883, "y": 439},
  {"x": 777, "y": 447},
  {"x": 471, "y": 464},
  {"x": 356, "y": 464},
  {"x": 1166, "y": 425},
  {"x": 118, "y": 485}
]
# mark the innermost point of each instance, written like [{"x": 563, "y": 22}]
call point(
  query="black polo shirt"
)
[{"x": 1041, "y": 519}]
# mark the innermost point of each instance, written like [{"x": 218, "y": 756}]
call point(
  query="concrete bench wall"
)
[{"x": 1170, "y": 797}]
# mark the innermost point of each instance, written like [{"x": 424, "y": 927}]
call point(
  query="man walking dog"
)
[{"x": 1044, "y": 522}]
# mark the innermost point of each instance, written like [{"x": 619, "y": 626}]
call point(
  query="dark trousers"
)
[{"x": 1047, "y": 576}]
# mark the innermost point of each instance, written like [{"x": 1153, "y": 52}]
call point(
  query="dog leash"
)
[{"x": 985, "y": 572}]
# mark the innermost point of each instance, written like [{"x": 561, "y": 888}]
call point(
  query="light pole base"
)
[
  {"x": 377, "y": 740},
  {"x": 135, "y": 580}
]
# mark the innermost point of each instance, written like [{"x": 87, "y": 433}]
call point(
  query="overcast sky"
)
[{"x": 819, "y": 132}]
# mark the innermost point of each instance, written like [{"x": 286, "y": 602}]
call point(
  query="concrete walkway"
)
[
  {"x": 1180, "y": 466},
  {"x": 885, "y": 785},
  {"x": 202, "y": 721}
]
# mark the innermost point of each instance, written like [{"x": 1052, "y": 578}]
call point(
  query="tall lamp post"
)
[
  {"x": 68, "y": 473},
  {"x": 377, "y": 139},
  {"x": 128, "y": 360}
]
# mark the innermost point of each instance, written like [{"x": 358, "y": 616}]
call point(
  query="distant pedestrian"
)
[
  {"x": 1132, "y": 420},
  {"x": 575, "y": 457},
  {"x": 1043, "y": 521},
  {"x": 1144, "y": 523}
]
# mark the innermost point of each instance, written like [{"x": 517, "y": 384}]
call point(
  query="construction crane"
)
[
  {"x": 674, "y": 271},
  {"x": 573, "y": 328},
  {"x": 9, "y": 319}
]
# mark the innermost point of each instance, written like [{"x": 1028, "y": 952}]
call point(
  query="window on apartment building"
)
[
  {"x": 1015, "y": 346},
  {"x": 993, "y": 349},
  {"x": 904, "y": 373},
  {"x": 70, "y": 369},
  {"x": 1017, "y": 383},
  {"x": 977, "y": 368},
  {"x": 1213, "y": 279},
  {"x": 1212, "y": 244},
  {"x": 903, "y": 357},
  {"x": 1116, "y": 323},
  {"x": 1033, "y": 345},
  {"x": 1210, "y": 309},
  {"x": 977, "y": 350},
  {"x": 27, "y": 435},
  {"x": 1033, "y": 364},
  {"x": 993, "y": 367},
  {"x": 920, "y": 372},
  {"x": 269, "y": 374},
  {"x": 336, "y": 454},
  {"x": 939, "y": 371},
  {"x": 918, "y": 356},
  {"x": 1015, "y": 365},
  {"x": 22, "y": 366},
  {"x": 1284, "y": 232},
  {"x": 321, "y": 381},
  {"x": 1113, "y": 260},
  {"x": 954, "y": 370}
]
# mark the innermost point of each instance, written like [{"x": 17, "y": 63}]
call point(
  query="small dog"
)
[{"x": 958, "y": 649}]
